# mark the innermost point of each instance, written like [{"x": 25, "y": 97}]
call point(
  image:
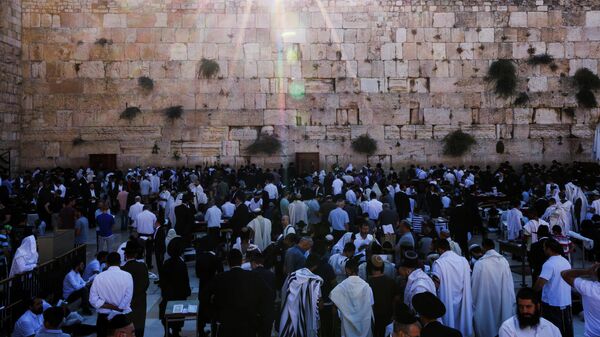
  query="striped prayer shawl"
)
[{"x": 299, "y": 311}]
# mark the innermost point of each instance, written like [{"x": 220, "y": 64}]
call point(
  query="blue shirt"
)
[
  {"x": 105, "y": 224},
  {"x": 28, "y": 324},
  {"x": 91, "y": 269},
  {"x": 338, "y": 218},
  {"x": 83, "y": 226}
]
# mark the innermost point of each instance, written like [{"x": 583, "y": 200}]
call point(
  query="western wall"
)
[{"x": 316, "y": 74}]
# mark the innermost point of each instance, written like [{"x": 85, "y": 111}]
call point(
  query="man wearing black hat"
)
[
  {"x": 430, "y": 308},
  {"x": 139, "y": 273}
]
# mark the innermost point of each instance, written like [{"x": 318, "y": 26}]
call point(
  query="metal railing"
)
[{"x": 45, "y": 279}]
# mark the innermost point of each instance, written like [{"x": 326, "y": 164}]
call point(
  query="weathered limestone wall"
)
[
  {"x": 10, "y": 77},
  {"x": 315, "y": 73}
]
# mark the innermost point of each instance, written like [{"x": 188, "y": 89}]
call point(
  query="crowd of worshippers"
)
[{"x": 304, "y": 252}]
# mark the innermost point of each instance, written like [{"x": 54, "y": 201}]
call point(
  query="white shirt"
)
[
  {"x": 359, "y": 241},
  {"x": 272, "y": 191},
  {"x": 596, "y": 206},
  {"x": 28, "y": 324},
  {"x": 351, "y": 197},
  {"x": 228, "y": 209},
  {"x": 556, "y": 291},
  {"x": 134, "y": 210},
  {"x": 375, "y": 207},
  {"x": 71, "y": 283},
  {"x": 531, "y": 228},
  {"x": 510, "y": 328},
  {"x": 144, "y": 222},
  {"x": 113, "y": 286},
  {"x": 590, "y": 295},
  {"x": 213, "y": 217},
  {"x": 337, "y": 186}
]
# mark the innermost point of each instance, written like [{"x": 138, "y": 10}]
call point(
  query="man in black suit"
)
[
  {"x": 536, "y": 255},
  {"x": 160, "y": 248},
  {"x": 257, "y": 262},
  {"x": 430, "y": 308},
  {"x": 402, "y": 204},
  {"x": 208, "y": 265},
  {"x": 139, "y": 273},
  {"x": 184, "y": 215},
  {"x": 241, "y": 300},
  {"x": 241, "y": 216}
]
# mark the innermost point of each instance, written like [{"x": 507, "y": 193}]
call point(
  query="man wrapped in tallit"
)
[
  {"x": 300, "y": 296},
  {"x": 493, "y": 291},
  {"x": 25, "y": 258}
]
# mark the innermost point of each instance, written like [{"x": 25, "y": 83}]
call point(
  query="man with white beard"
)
[
  {"x": 452, "y": 276},
  {"x": 493, "y": 291}
]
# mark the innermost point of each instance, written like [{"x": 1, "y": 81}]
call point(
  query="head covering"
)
[
  {"x": 377, "y": 261},
  {"x": 428, "y": 305},
  {"x": 329, "y": 237},
  {"x": 26, "y": 257},
  {"x": 256, "y": 210},
  {"x": 410, "y": 259},
  {"x": 171, "y": 234},
  {"x": 132, "y": 246}
]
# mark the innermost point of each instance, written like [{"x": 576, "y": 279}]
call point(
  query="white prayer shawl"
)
[
  {"x": 360, "y": 242},
  {"x": 567, "y": 206},
  {"x": 596, "y": 147},
  {"x": 377, "y": 191},
  {"x": 262, "y": 231},
  {"x": 298, "y": 212},
  {"x": 299, "y": 310},
  {"x": 26, "y": 257},
  {"x": 558, "y": 216},
  {"x": 338, "y": 248},
  {"x": 454, "y": 274},
  {"x": 418, "y": 282},
  {"x": 338, "y": 263},
  {"x": 493, "y": 293},
  {"x": 354, "y": 299},
  {"x": 513, "y": 222},
  {"x": 596, "y": 206},
  {"x": 171, "y": 209}
]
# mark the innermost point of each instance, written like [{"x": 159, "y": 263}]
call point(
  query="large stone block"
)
[{"x": 243, "y": 133}]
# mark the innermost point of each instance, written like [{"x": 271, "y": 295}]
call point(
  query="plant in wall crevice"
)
[
  {"x": 544, "y": 58},
  {"x": 146, "y": 83},
  {"x": 103, "y": 41},
  {"x": 266, "y": 144},
  {"x": 458, "y": 143},
  {"x": 176, "y": 155},
  {"x": 208, "y": 68},
  {"x": 500, "y": 147},
  {"x": 586, "y": 81},
  {"x": 130, "y": 112},
  {"x": 522, "y": 99},
  {"x": 364, "y": 144},
  {"x": 174, "y": 112},
  {"x": 502, "y": 74},
  {"x": 78, "y": 141}
]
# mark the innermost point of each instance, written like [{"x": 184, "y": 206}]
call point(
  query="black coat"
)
[
  {"x": 241, "y": 303},
  {"x": 184, "y": 216},
  {"x": 139, "y": 273},
  {"x": 240, "y": 218},
  {"x": 402, "y": 205},
  {"x": 175, "y": 282},
  {"x": 436, "y": 329}
]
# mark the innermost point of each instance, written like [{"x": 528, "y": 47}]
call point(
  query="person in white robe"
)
[
  {"x": 514, "y": 224},
  {"x": 493, "y": 291},
  {"x": 298, "y": 211},
  {"x": 452, "y": 275},
  {"x": 354, "y": 300},
  {"x": 417, "y": 280},
  {"x": 338, "y": 261},
  {"x": 363, "y": 238},
  {"x": 595, "y": 205},
  {"x": 299, "y": 308},
  {"x": 171, "y": 210},
  {"x": 261, "y": 227},
  {"x": 531, "y": 227},
  {"x": 338, "y": 248},
  {"x": 25, "y": 258}
]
